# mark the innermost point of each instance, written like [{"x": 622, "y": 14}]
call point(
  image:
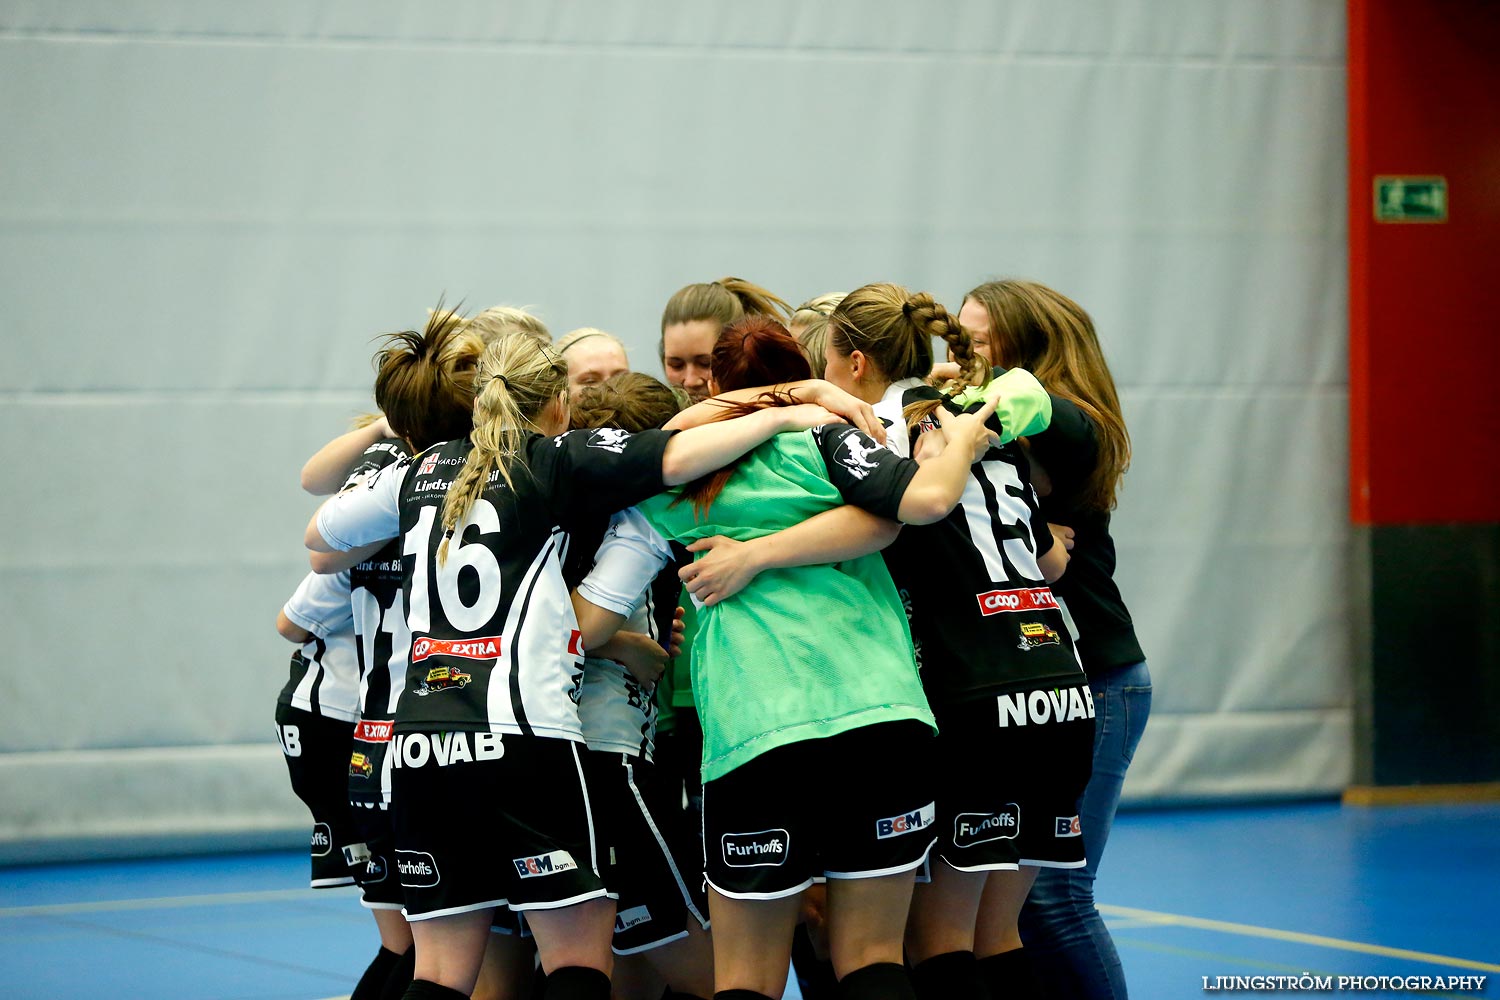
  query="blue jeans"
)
[{"x": 1066, "y": 938}]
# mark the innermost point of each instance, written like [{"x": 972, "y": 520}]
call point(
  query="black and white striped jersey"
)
[
  {"x": 324, "y": 676},
  {"x": 634, "y": 575},
  {"x": 982, "y": 618},
  {"x": 495, "y": 643},
  {"x": 383, "y": 645}
]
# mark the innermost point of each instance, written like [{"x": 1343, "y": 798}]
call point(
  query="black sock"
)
[
  {"x": 400, "y": 976},
  {"x": 373, "y": 981},
  {"x": 577, "y": 982},
  {"x": 1010, "y": 975},
  {"x": 881, "y": 981},
  {"x": 952, "y": 974},
  {"x": 740, "y": 995},
  {"x": 422, "y": 989}
]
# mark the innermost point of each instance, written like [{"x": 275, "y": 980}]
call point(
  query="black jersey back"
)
[
  {"x": 383, "y": 642},
  {"x": 982, "y": 618},
  {"x": 495, "y": 645}
]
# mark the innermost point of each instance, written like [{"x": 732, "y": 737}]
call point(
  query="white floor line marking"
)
[
  {"x": 1250, "y": 930},
  {"x": 167, "y": 902}
]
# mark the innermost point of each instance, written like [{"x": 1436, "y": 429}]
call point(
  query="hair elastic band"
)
[{"x": 575, "y": 342}]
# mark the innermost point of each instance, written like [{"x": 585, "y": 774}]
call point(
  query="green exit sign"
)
[{"x": 1411, "y": 199}]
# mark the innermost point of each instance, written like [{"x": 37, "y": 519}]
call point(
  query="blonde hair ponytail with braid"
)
[
  {"x": 517, "y": 376},
  {"x": 893, "y": 328}
]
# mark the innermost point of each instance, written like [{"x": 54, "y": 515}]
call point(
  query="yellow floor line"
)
[
  {"x": 1250, "y": 930},
  {"x": 1126, "y": 925}
]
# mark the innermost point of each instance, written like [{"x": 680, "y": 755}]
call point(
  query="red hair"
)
[
  {"x": 752, "y": 351},
  {"x": 757, "y": 350}
]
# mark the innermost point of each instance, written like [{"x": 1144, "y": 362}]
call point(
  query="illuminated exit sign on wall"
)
[{"x": 1411, "y": 199}]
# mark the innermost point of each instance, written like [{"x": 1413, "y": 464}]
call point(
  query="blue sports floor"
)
[{"x": 1267, "y": 890}]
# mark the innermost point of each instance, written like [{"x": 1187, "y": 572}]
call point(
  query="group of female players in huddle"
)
[{"x": 907, "y": 652}]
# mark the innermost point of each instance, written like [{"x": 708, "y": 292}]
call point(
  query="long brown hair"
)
[
  {"x": 1042, "y": 330},
  {"x": 722, "y": 301}
]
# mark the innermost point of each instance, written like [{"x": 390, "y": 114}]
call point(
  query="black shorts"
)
[
  {"x": 855, "y": 805},
  {"x": 657, "y": 894},
  {"x": 508, "y": 822},
  {"x": 380, "y": 888},
  {"x": 1008, "y": 794},
  {"x": 316, "y": 749}
]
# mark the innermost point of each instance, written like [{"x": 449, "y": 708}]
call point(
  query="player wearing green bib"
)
[
  {"x": 816, "y": 730},
  {"x": 838, "y": 628}
]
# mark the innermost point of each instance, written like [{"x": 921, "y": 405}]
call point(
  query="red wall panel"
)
[{"x": 1424, "y": 309}]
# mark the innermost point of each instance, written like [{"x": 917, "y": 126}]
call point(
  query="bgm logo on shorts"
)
[
  {"x": 544, "y": 864},
  {"x": 322, "y": 840},
  {"x": 610, "y": 439},
  {"x": 970, "y": 829},
  {"x": 355, "y": 855},
  {"x": 1068, "y": 826},
  {"x": 633, "y": 917},
  {"x": 895, "y": 826},
  {"x": 764, "y": 849},
  {"x": 417, "y": 869}
]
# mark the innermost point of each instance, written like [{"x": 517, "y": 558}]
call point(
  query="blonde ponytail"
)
[{"x": 517, "y": 376}]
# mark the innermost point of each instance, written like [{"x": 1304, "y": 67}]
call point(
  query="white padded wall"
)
[{"x": 207, "y": 210}]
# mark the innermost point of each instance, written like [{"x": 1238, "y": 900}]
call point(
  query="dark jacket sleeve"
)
[{"x": 1068, "y": 449}]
